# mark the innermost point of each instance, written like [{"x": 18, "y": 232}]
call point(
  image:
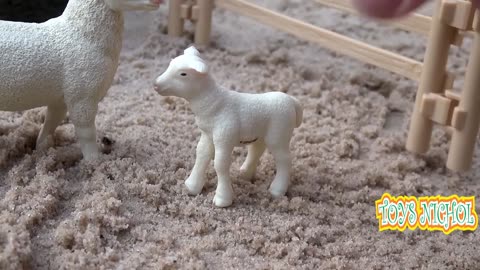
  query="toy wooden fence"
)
[{"x": 435, "y": 101}]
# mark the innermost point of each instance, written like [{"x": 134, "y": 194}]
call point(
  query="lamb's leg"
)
[
  {"x": 83, "y": 115},
  {"x": 205, "y": 152},
  {"x": 222, "y": 161},
  {"x": 255, "y": 151},
  {"x": 283, "y": 163},
  {"x": 54, "y": 116}
]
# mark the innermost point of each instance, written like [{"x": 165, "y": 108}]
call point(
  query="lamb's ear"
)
[
  {"x": 199, "y": 66},
  {"x": 192, "y": 51}
]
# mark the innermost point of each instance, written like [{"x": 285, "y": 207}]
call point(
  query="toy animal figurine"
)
[
  {"x": 67, "y": 64},
  {"x": 228, "y": 119}
]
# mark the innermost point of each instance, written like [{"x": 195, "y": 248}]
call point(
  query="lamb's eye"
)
[{"x": 183, "y": 74}]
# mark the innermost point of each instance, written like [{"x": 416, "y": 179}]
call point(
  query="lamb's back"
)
[
  {"x": 266, "y": 103},
  {"x": 256, "y": 110}
]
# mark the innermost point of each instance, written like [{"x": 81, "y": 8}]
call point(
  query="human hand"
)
[
  {"x": 391, "y": 8},
  {"x": 387, "y": 8}
]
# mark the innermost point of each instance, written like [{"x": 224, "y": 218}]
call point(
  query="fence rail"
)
[{"x": 344, "y": 45}]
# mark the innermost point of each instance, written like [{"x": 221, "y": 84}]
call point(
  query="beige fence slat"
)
[{"x": 344, "y": 45}]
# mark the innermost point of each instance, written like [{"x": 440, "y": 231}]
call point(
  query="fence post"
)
[
  {"x": 175, "y": 21},
  {"x": 464, "y": 137},
  {"x": 432, "y": 79},
  {"x": 203, "y": 23}
]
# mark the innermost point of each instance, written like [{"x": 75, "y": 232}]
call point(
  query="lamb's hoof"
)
[
  {"x": 91, "y": 155},
  {"x": 220, "y": 201},
  {"x": 246, "y": 173},
  {"x": 45, "y": 143},
  {"x": 193, "y": 188},
  {"x": 278, "y": 192}
]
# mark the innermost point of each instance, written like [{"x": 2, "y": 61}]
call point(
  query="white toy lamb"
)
[
  {"x": 67, "y": 63},
  {"x": 228, "y": 119}
]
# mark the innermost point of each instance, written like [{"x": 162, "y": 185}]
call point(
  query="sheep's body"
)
[
  {"x": 23, "y": 85},
  {"x": 67, "y": 63},
  {"x": 228, "y": 119},
  {"x": 251, "y": 117},
  {"x": 41, "y": 64}
]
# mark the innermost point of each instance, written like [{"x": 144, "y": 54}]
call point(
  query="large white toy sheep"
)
[
  {"x": 67, "y": 63},
  {"x": 228, "y": 119}
]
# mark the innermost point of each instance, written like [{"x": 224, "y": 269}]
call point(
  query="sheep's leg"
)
[
  {"x": 283, "y": 163},
  {"x": 222, "y": 161},
  {"x": 255, "y": 151},
  {"x": 205, "y": 152},
  {"x": 54, "y": 116},
  {"x": 83, "y": 116}
]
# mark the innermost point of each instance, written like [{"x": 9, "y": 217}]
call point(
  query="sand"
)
[{"x": 130, "y": 210}]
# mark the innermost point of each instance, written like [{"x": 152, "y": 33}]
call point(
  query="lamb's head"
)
[
  {"x": 125, "y": 5},
  {"x": 186, "y": 76}
]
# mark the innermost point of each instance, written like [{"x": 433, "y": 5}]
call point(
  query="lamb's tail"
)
[{"x": 298, "y": 111}]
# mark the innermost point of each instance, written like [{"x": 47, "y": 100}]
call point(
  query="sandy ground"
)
[{"x": 130, "y": 210}]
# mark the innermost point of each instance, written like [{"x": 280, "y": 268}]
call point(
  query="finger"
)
[
  {"x": 387, "y": 8},
  {"x": 476, "y": 3}
]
